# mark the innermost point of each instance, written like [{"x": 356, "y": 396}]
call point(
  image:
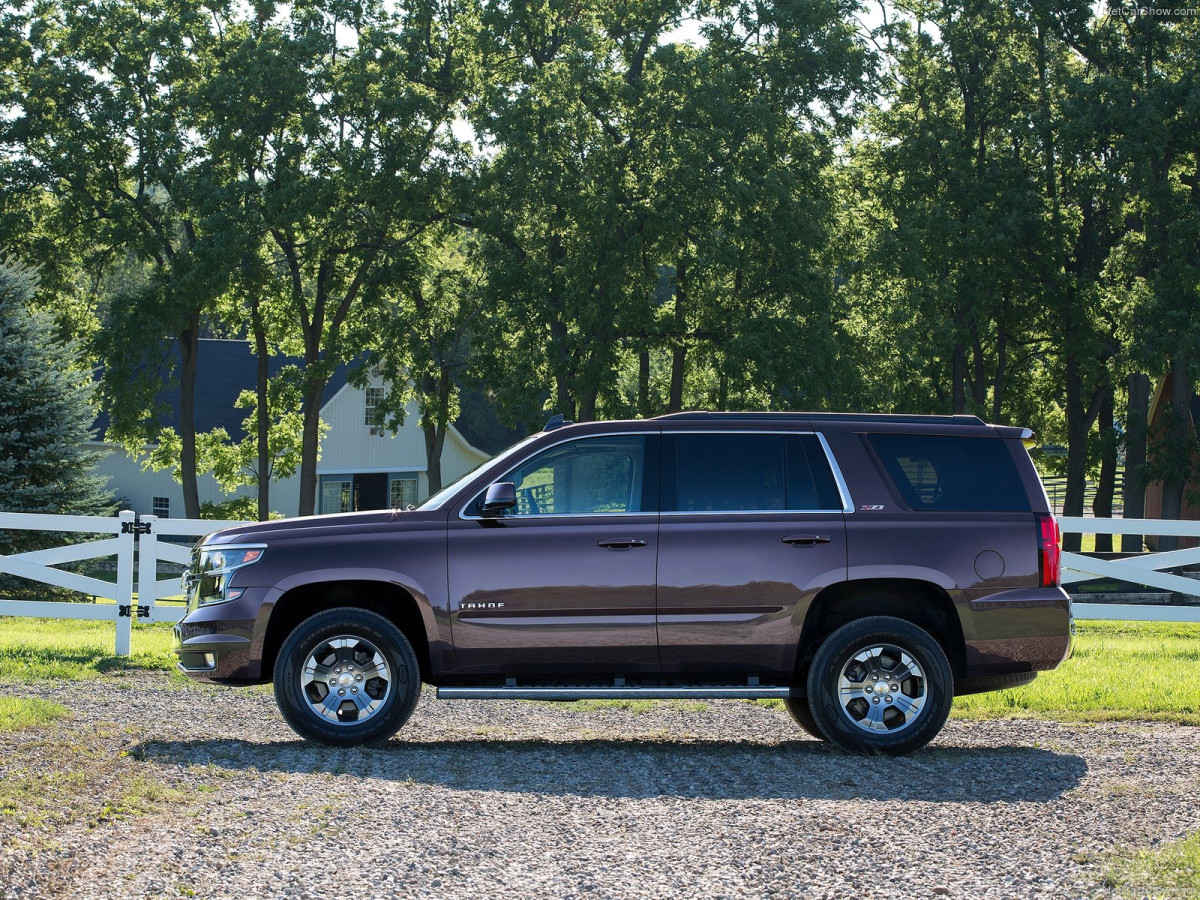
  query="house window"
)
[
  {"x": 162, "y": 507},
  {"x": 375, "y": 398},
  {"x": 335, "y": 495},
  {"x": 404, "y": 491}
]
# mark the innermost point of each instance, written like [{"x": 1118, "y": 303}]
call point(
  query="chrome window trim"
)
[
  {"x": 839, "y": 481},
  {"x": 843, "y": 488}
]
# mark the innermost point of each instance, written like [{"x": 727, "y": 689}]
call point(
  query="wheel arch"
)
[
  {"x": 388, "y": 599},
  {"x": 920, "y": 602}
]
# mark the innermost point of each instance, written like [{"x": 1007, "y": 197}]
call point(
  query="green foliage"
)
[
  {"x": 45, "y": 410},
  {"x": 235, "y": 509},
  {"x": 978, "y": 207}
]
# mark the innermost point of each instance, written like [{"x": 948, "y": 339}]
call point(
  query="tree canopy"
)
[{"x": 619, "y": 209}]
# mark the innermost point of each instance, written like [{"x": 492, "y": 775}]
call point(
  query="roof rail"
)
[{"x": 911, "y": 418}]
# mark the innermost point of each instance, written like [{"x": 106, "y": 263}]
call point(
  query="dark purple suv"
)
[{"x": 861, "y": 568}]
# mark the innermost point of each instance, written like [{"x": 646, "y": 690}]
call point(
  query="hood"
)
[{"x": 330, "y": 524}]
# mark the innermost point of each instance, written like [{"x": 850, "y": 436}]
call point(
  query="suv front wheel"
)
[
  {"x": 880, "y": 684},
  {"x": 346, "y": 677}
]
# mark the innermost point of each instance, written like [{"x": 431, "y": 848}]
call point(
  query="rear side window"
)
[
  {"x": 746, "y": 473},
  {"x": 961, "y": 474}
]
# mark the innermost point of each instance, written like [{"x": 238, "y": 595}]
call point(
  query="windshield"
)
[{"x": 438, "y": 500}]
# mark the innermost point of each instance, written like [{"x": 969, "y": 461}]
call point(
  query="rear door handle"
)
[
  {"x": 805, "y": 540},
  {"x": 621, "y": 543}
]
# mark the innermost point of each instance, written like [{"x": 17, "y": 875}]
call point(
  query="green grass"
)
[
  {"x": 1171, "y": 872},
  {"x": 17, "y": 713},
  {"x": 41, "y": 649},
  {"x": 1119, "y": 671}
]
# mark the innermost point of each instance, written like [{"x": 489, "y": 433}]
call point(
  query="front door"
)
[
  {"x": 752, "y": 527},
  {"x": 565, "y": 583}
]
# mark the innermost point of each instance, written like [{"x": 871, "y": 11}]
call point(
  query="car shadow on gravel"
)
[{"x": 728, "y": 770}]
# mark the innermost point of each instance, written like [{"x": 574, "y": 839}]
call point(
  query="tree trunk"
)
[
  {"x": 1133, "y": 493},
  {"x": 262, "y": 419},
  {"x": 434, "y": 426},
  {"x": 314, "y": 387},
  {"x": 1102, "y": 504},
  {"x": 1076, "y": 449},
  {"x": 1181, "y": 440},
  {"x": 587, "y": 405},
  {"x": 643, "y": 386},
  {"x": 959, "y": 377},
  {"x": 189, "y": 347},
  {"x": 998, "y": 381},
  {"x": 679, "y": 350},
  {"x": 562, "y": 374},
  {"x": 435, "y": 440}
]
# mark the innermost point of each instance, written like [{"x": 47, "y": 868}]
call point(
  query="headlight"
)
[{"x": 215, "y": 567}]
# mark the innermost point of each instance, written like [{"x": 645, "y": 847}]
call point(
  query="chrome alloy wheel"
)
[
  {"x": 346, "y": 679},
  {"x": 881, "y": 688}
]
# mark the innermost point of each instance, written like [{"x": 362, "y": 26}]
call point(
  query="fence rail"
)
[
  {"x": 1144, "y": 568},
  {"x": 134, "y": 540}
]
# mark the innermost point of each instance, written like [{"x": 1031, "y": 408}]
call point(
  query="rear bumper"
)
[{"x": 1018, "y": 631}]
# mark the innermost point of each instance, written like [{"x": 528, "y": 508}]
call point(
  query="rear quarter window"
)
[{"x": 950, "y": 473}]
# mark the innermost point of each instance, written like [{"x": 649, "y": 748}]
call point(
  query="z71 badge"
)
[{"x": 871, "y": 506}]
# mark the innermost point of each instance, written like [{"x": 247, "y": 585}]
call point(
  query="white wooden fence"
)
[
  {"x": 128, "y": 602},
  {"x": 129, "y": 533},
  {"x": 1145, "y": 568}
]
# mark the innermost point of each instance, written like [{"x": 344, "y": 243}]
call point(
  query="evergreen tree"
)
[{"x": 45, "y": 413}]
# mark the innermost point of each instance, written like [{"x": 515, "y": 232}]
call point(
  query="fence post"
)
[
  {"x": 147, "y": 570},
  {"x": 124, "y": 589}
]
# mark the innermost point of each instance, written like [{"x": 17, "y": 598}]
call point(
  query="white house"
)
[{"x": 361, "y": 466}]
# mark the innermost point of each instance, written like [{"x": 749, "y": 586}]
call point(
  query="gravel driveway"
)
[{"x": 157, "y": 789}]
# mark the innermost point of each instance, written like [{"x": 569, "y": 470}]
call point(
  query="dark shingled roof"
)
[{"x": 224, "y": 368}]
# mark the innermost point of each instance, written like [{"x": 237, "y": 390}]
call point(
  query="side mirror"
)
[{"x": 500, "y": 497}]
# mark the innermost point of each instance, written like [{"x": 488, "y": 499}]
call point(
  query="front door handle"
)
[
  {"x": 621, "y": 543},
  {"x": 805, "y": 540}
]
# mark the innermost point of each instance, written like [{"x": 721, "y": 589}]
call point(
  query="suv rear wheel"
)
[
  {"x": 346, "y": 677},
  {"x": 880, "y": 684}
]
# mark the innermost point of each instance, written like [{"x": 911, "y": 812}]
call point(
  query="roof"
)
[{"x": 224, "y": 368}]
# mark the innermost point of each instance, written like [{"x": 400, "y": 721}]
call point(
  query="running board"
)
[{"x": 511, "y": 692}]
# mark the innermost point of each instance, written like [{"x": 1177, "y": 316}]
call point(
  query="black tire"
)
[
  {"x": 797, "y": 708},
  {"x": 905, "y": 686},
  {"x": 363, "y": 682}
]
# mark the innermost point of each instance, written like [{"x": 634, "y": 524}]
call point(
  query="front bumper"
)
[{"x": 216, "y": 643}]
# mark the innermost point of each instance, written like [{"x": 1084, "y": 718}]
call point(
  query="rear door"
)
[{"x": 752, "y": 526}]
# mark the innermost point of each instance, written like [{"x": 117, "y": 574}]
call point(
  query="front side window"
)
[
  {"x": 732, "y": 472},
  {"x": 589, "y": 476}
]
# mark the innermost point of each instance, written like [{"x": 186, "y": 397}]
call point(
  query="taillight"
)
[{"x": 1049, "y": 552}]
